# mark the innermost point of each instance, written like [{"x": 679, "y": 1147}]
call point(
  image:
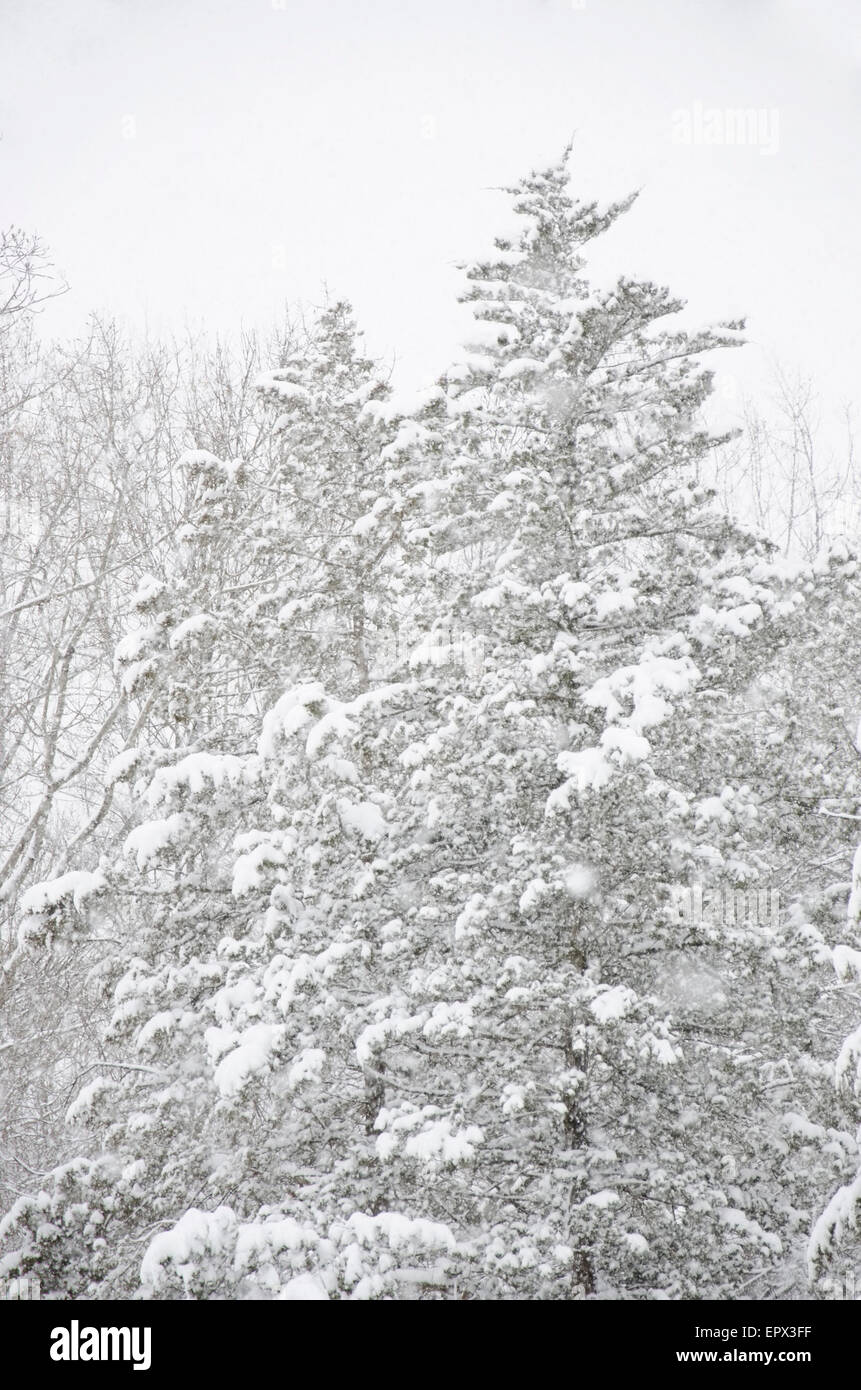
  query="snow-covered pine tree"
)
[
  {"x": 269, "y": 582},
  {"x": 836, "y": 1228},
  {"x": 390, "y": 1019},
  {"x": 605, "y": 592},
  {"x": 276, "y": 584}
]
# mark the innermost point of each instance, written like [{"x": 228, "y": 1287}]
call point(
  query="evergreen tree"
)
[
  {"x": 835, "y": 1226},
  {"x": 407, "y": 1002}
]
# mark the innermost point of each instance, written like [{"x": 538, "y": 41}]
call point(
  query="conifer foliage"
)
[{"x": 405, "y": 1005}]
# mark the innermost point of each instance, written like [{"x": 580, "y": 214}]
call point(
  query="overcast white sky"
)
[{"x": 205, "y": 160}]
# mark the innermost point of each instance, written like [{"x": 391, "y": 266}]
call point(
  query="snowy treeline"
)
[{"x": 357, "y": 765}]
